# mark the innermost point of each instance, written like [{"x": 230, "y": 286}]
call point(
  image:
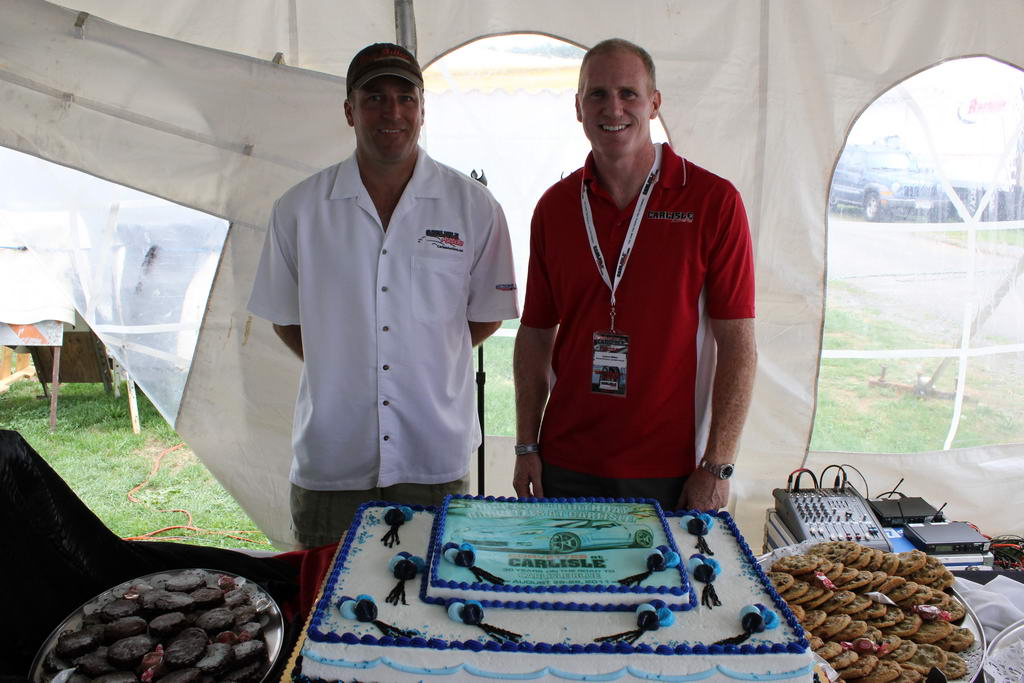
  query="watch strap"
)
[
  {"x": 722, "y": 471},
  {"x": 526, "y": 448}
]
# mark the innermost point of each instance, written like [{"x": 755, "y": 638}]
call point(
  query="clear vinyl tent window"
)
[
  {"x": 504, "y": 106},
  {"x": 923, "y": 344},
  {"x": 138, "y": 269}
]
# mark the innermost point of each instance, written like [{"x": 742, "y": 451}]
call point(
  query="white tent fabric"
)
[
  {"x": 762, "y": 93},
  {"x": 36, "y": 298}
]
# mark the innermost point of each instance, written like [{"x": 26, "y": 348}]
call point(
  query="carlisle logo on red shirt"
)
[
  {"x": 674, "y": 216},
  {"x": 443, "y": 239}
]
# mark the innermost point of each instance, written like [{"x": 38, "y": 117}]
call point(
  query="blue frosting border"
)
[
  {"x": 324, "y": 604},
  {"x": 434, "y": 558}
]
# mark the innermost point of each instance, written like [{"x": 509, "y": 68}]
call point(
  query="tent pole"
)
[
  {"x": 481, "y": 379},
  {"x": 405, "y": 25}
]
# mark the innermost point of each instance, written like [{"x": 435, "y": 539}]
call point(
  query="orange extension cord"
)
[{"x": 189, "y": 526}]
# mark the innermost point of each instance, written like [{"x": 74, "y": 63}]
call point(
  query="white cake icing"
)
[{"x": 558, "y": 626}]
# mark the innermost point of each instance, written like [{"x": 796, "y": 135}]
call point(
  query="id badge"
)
[{"x": 611, "y": 350}]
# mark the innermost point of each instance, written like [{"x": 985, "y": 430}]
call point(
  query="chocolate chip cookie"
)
[
  {"x": 855, "y": 630},
  {"x": 893, "y": 615},
  {"x": 844, "y": 659},
  {"x": 813, "y": 619},
  {"x": 874, "y": 611},
  {"x": 884, "y": 672},
  {"x": 877, "y": 579},
  {"x": 862, "y": 579},
  {"x": 910, "y": 562},
  {"x": 955, "y": 666},
  {"x": 833, "y": 625},
  {"x": 864, "y": 665},
  {"x": 902, "y": 652},
  {"x": 840, "y": 599},
  {"x": 858, "y": 604},
  {"x": 812, "y": 593},
  {"x": 781, "y": 580},
  {"x": 909, "y": 676},
  {"x": 797, "y": 564},
  {"x": 848, "y": 574},
  {"x": 903, "y": 592},
  {"x": 890, "y": 563},
  {"x": 932, "y": 631},
  {"x": 957, "y": 641},
  {"x": 829, "y": 650},
  {"x": 890, "y": 584},
  {"x": 956, "y": 611},
  {"x": 905, "y": 628},
  {"x": 926, "y": 657},
  {"x": 817, "y": 602},
  {"x": 834, "y": 550},
  {"x": 796, "y": 590}
]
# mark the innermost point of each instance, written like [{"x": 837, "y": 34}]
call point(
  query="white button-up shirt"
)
[{"x": 387, "y": 392}]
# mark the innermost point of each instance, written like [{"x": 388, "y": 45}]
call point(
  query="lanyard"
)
[{"x": 634, "y": 228}]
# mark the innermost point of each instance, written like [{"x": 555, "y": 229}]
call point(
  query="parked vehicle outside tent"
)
[{"x": 885, "y": 184}]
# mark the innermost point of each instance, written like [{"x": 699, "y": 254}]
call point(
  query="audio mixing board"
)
[{"x": 839, "y": 514}]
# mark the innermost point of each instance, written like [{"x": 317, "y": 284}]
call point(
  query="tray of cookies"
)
[
  {"x": 873, "y": 616},
  {"x": 176, "y": 626}
]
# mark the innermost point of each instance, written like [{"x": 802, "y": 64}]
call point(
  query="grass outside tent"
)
[{"x": 96, "y": 453}]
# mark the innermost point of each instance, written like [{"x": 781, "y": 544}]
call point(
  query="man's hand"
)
[
  {"x": 526, "y": 479},
  {"x": 703, "y": 491},
  {"x": 291, "y": 335},
  {"x": 479, "y": 331}
]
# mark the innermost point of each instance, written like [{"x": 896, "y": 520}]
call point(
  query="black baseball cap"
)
[{"x": 382, "y": 59}]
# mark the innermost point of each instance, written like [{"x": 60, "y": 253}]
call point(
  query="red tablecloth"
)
[{"x": 312, "y": 567}]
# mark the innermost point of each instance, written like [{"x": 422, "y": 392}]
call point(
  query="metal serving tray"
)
[
  {"x": 269, "y": 616},
  {"x": 1009, "y": 636},
  {"x": 973, "y": 656}
]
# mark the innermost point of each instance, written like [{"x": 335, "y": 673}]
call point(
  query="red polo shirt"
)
[{"x": 692, "y": 260}]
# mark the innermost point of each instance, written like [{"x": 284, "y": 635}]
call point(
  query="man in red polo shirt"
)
[{"x": 641, "y": 273}]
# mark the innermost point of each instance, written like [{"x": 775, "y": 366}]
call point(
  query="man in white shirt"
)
[{"x": 381, "y": 273}]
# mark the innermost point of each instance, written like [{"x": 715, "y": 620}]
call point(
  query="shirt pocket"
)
[{"x": 438, "y": 289}]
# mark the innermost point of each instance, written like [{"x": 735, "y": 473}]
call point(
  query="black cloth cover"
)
[{"x": 56, "y": 555}]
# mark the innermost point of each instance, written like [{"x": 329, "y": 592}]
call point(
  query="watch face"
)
[{"x": 720, "y": 471}]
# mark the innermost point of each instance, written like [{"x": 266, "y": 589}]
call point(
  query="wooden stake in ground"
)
[
  {"x": 54, "y": 388},
  {"x": 133, "y": 407}
]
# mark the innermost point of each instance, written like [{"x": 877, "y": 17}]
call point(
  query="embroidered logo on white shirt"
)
[{"x": 443, "y": 239}]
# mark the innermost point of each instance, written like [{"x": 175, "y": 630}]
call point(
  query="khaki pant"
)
[{"x": 321, "y": 517}]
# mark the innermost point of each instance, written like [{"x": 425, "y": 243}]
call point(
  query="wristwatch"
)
[
  {"x": 524, "y": 448},
  {"x": 721, "y": 471}
]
